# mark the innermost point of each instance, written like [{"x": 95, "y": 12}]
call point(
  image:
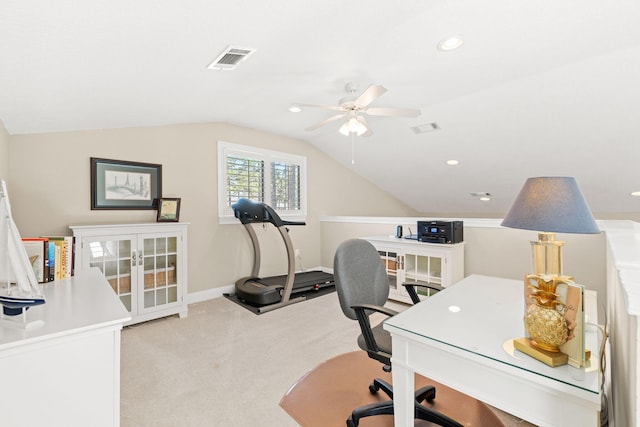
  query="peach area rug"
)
[{"x": 325, "y": 396}]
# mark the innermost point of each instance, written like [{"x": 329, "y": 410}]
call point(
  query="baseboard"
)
[
  {"x": 323, "y": 269},
  {"x": 208, "y": 294}
]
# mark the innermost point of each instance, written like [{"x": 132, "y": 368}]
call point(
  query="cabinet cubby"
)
[{"x": 407, "y": 260}]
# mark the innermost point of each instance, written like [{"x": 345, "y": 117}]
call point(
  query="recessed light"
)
[
  {"x": 294, "y": 108},
  {"x": 636, "y": 193},
  {"x": 452, "y": 162},
  {"x": 454, "y": 309},
  {"x": 482, "y": 195},
  {"x": 450, "y": 43}
]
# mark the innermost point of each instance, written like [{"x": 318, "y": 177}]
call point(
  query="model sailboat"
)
[{"x": 19, "y": 288}]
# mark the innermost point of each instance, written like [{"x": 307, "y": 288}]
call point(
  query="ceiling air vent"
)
[
  {"x": 230, "y": 57},
  {"x": 426, "y": 127}
]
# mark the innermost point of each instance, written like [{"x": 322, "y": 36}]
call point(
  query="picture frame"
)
[
  {"x": 121, "y": 184},
  {"x": 168, "y": 209}
]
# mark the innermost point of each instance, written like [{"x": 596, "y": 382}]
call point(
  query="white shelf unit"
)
[
  {"x": 145, "y": 264},
  {"x": 412, "y": 261}
]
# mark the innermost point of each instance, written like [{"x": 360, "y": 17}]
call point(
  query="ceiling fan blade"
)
[
  {"x": 372, "y": 93},
  {"x": 326, "y": 107},
  {"x": 395, "y": 112},
  {"x": 325, "y": 122}
]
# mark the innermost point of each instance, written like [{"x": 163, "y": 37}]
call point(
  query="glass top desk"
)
[{"x": 462, "y": 337}]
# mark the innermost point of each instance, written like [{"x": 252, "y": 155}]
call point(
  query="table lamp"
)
[{"x": 548, "y": 205}]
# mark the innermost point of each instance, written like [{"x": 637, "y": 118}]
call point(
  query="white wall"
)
[
  {"x": 50, "y": 180},
  {"x": 4, "y": 154}
]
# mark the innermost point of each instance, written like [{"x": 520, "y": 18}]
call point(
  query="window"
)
[{"x": 278, "y": 179}]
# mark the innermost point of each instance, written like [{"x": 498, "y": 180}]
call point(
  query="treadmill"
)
[{"x": 269, "y": 293}]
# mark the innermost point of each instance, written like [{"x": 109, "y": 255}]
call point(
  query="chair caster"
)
[
  {"x": 351, "y": 423},
  {"x": 373, "y": 388}
]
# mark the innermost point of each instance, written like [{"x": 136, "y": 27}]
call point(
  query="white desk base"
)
[
  {"x": 536, "y": 398},
  {"x": 540, "y": 402}
]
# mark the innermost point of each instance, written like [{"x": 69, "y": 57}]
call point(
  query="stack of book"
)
[{"x": 51, "y": 257}]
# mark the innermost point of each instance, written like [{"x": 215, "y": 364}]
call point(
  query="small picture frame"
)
[{"x": 168, "y": 209}]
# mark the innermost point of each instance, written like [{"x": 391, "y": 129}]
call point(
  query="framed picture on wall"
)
[
  {"x": 168, "y": 209},
  {"x": 120, "y": 184}
]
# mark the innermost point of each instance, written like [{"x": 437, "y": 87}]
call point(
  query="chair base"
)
[{"x": 421, "y": 412}]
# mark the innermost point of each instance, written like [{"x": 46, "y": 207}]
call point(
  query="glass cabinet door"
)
[
  {"x": 114, "y": 257},
  {"x": 159, "y": 278},
  {"x": 390, "y": 262}
]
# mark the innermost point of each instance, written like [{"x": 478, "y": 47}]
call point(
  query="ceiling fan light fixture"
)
[
  {"x": 352, "y": 125},
  {"x": 450, "y": 43}
]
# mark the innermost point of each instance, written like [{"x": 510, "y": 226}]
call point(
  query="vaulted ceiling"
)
[{"x": 538, "y": 88}]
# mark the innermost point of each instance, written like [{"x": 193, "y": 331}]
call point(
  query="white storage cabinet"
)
[
  {"x": 145, "y": 264},
  {"x": 412, "y": 261}
]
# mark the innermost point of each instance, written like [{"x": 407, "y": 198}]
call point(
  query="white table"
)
[
  {"x": 66, "y": 372},
  {"x": 461, "y": 337}
]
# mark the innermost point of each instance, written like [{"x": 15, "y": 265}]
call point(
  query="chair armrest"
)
[
  {"x": 362, "y": 314},
  {"x": 384, "y": 310},
  {"x": 411, "y": 289}
]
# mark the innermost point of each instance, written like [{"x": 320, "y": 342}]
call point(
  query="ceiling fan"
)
[{"x": 353, "y": 109}]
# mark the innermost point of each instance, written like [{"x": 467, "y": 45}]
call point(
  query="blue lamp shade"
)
[{"x": 552, "y": 205}]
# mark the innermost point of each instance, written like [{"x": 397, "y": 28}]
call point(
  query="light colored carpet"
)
[{"x": 223, "y": 366}]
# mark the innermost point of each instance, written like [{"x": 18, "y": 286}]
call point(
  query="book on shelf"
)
[
  {"x": 38, "y": 253},
  {"x": 52, "y": 260},
  {"x": 63, "y": 256}
]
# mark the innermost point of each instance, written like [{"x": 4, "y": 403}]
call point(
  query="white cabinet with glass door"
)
[
  {"x": 407, "y": 260},
  {"x": 145, "y": 264}
]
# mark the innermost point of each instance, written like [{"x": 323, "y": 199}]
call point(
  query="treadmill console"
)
[{"x": 249, "y": 212}]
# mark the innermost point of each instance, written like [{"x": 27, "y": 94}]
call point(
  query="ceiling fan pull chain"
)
[{"x": 353, "y": 148}]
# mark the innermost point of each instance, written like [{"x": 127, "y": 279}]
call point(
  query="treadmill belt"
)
[{"x": 302, "y": 281}]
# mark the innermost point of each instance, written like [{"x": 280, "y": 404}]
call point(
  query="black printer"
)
[{"x": 440, "y": 231}]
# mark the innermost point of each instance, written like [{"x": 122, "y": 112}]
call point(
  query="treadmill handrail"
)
[
  {"x": 249, "y": 212},
  {"x": 276, "y": 220}
]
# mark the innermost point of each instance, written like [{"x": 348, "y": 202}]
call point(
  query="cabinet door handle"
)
[
  {"x": 133, "y": 258},
  {"x": 140, "y": 257}
]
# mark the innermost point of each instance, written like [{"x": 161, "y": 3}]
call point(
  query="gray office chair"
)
[{"x": 362, "y": 285}]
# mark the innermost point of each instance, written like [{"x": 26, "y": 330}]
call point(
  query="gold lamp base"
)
[{"x": 551, "y": 358}]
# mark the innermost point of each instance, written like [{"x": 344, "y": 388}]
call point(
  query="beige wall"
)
[
  {"x": 51, "y": 190},
  {"x": 49, "y": 197},
  {"x": 489, "y": 249},
  {"x": 4, "y": 154}
]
